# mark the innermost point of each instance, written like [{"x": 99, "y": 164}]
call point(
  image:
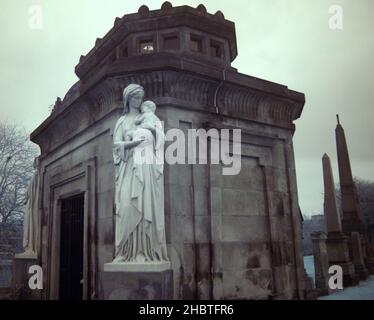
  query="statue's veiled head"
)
[{"x": 133, "y": 96}]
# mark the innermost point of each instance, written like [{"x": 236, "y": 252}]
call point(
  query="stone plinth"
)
[
  {"x": 338, "y": 254},
  {"x": 358, "y": 258},
  {"x": 321, "y": 263},
  {"x": 138, "y": 281},
  {"x": 20, "y": 281}
]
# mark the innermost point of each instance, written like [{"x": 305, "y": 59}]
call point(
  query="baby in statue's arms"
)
[{"x": 148, "y": 119}]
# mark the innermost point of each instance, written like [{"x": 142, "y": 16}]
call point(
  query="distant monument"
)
[
  {"x": 353, "y": 218},
  {"x": 337, "y": 242},
  {"x": 316, "y": 223},
  {"x": 321, "y": 263}
]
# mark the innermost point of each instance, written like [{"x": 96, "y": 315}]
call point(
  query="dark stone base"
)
[
  {"x": 350, "y": 280},
  {"x": 371, "y": 270},
  {"x": 370, "y": 267},
  {"x": 352, "y": 224},
  {"x": 322, "y": 292},
  {"x": 362, "y": 272},
  {"x": 20, "y": 281},
  {"x": 310, "y": 291},
  {"x": 138, "y": 285}
]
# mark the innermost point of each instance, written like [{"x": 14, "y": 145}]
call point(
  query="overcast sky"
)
[{"x": 285, "y": 41}]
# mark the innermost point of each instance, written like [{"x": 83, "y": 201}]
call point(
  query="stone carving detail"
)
[
  {"x": 199, "y": 92},
  {"x": 188, "y": 90},
  {"x": 236, "y": 100},
  {"x": 105, "y": 98},
  {"x": 139, "y": 185}
]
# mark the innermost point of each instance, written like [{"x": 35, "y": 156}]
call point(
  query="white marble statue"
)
[
  {"x": 139, "y": 186},
  {"x": 31, "y": 218}
]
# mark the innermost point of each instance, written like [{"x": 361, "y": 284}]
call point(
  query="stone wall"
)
[{"x": 241, "y": 226}]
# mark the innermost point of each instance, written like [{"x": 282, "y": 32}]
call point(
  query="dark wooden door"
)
[{"x": 71, "y": 248}]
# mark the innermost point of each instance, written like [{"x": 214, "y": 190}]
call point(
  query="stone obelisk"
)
[
  {"x": 353, "y": 218},
  {"x": 337, "y": 241}
]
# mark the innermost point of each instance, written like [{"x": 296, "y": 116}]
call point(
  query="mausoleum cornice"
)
[{"x": 237, "y": 96}]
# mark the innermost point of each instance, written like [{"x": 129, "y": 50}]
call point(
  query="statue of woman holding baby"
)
[{"x": 139, "y": 185}]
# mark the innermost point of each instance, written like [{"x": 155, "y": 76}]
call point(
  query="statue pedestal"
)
[
  {"x": 20, "y": 279},
  {"x": 338, "y": 253},
  {"x": 138, "y": 281}
]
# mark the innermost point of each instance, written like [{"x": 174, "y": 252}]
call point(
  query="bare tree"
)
[
  {"x": 17, "y": 155},
  {"x": 365, "y": 191}
]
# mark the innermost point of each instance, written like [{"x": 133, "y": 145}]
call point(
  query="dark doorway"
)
[{"x": 71, "y": 248}]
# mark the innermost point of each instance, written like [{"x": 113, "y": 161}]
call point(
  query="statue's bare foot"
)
[
  {"x": 140, "y": 258},
  {"x": 118, "y": 259}
]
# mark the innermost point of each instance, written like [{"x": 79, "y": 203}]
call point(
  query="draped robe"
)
[
  {"x": 139, "y": 195},
  {"x": 31, "y": 218}
]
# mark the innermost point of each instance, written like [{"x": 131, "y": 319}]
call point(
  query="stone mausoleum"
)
[{"x": 228, "y": 237}]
